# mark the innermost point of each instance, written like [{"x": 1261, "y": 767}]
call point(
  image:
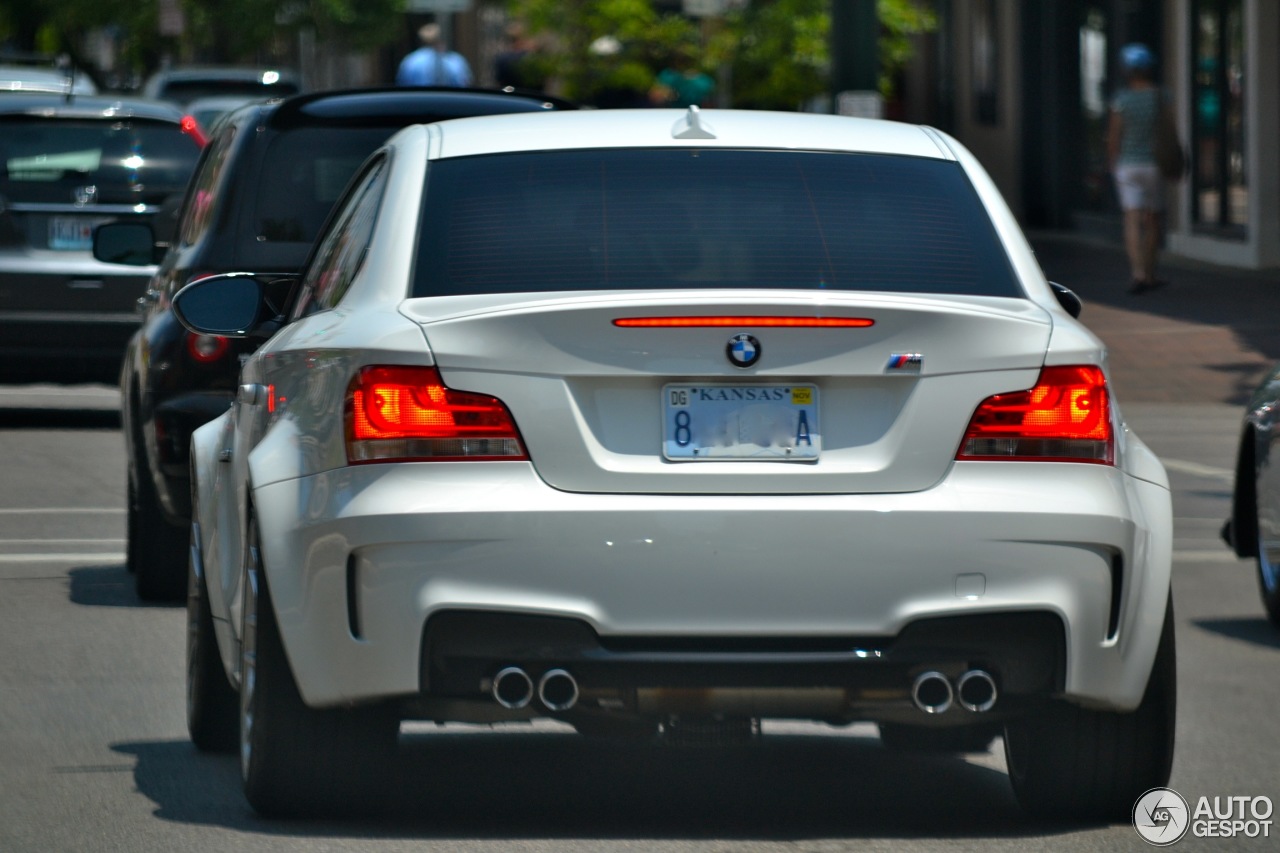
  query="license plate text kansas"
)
[{"x": 727, "y": 422}]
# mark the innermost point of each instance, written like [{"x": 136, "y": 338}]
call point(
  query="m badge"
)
[{"x": 904, "y": 362}]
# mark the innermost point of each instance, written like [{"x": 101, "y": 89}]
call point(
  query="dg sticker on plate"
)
[{"x": 777, "y": 422}]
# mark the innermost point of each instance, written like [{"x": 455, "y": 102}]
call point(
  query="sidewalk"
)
[{"x": 1208, "y": 337}]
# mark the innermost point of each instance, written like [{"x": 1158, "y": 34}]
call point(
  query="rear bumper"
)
[
  {"x": 65, "y": 346},
  {"x": 365, "y": 562}
]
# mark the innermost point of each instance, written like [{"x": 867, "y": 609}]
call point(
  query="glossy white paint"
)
[{"x": 599, "y": 527}]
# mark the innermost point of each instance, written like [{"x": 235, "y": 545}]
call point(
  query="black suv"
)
[
  {"x": 67, "y": 164},
  {"x": 259, "y": 196}
]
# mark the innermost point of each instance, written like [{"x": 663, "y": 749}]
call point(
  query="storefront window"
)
[
  {"x": 1220, "y": 200},
  {"x": 1093, "y": 108}
]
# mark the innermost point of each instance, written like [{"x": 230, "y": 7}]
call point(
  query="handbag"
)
[{"x": 1171, "y": 159}]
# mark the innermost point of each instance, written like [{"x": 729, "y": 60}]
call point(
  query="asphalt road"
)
[{"x": 94, "y": 754}]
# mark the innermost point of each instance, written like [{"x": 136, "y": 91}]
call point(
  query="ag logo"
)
[
  {"x": 1161, "y": 817},
  {"x": 743, "y": 350}
]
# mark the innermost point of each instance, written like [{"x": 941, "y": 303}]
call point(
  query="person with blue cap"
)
[{"x": 1131, "y": 144}]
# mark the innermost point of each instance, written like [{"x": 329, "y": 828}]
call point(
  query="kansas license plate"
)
[
  {"x": 759, "y": 422},
  {"x": 71, "y": 233}
]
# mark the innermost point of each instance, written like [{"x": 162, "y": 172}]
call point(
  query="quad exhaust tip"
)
[
  {"x": 932, "y": 693},
  {"x": 976, "y": 691},
  {"x": 557, "y": 690},
  {"x": 512, "y": 688}
]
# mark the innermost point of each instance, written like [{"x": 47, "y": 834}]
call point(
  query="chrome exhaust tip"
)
[
  {"x": 931, "y": 692},
  {"x": 512, "y": 688},
  {"x": 976, "y": 691},
  {"x": 558, "y": 690}
]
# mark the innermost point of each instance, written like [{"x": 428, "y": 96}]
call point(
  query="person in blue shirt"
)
[
  {"x": 433, "y": 64},
  {"x": 1135, "y": 111}
]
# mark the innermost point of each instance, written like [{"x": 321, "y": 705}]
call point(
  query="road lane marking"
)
[
  {"x": 114, "y": 556},
  {"x": 1215, "y": 556},
  {"x": 1197, "y": 470},
  {"x": 116, "y": 541},
  {"x": 60, "y": 510}
]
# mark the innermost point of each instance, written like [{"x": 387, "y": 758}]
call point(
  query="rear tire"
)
[
  {"x": 156, "y": 550},
  {"x": 297, "y": 761},
  {"x": 1067, "y": 762},
  {"x": 1268, "y": 583},
  {"x": 212, "y": 705}
]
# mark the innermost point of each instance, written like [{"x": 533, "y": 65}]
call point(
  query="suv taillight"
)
[
  {"x": 407, "y": 414},
  {"x": 1066, "y": 417},
  {"x": 206, "y": 349},
  {"x": 192, "y": 128}
]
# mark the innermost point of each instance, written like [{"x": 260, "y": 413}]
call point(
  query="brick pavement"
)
[{"x": 1210, "y": 336}]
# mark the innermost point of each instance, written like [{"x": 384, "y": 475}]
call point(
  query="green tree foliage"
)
[
  {"x": 222, "y": 31},
  {"x": 774, "y": 53},
  {"x": 597, "y": 50}
]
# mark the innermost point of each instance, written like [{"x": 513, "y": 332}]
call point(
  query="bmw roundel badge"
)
[{"x": 743, "y": 350}]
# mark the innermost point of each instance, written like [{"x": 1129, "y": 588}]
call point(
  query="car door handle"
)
[{"x": 252, "y": 394}]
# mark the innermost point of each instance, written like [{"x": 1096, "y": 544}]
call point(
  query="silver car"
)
[{"x": 671, "y": 422}]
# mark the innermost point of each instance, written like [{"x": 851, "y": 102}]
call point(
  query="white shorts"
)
[{"x": 1140, "y": 187}]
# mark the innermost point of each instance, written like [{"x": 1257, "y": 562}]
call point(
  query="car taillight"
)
[
  {"x": 1066, "y": 417},
  {"x": 206, "y": 348},
  {"x": 192, "y": 128},
  {"x": 407, "y": 414}
]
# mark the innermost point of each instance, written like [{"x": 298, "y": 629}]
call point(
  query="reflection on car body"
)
[
  {"x": 449, "y": 488},
  {"x": 1253, "y": 528}
]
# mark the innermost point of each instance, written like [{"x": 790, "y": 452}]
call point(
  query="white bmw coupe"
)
[{"x": 667, "y": 422}]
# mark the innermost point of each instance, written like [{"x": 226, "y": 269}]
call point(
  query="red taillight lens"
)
[
  {"x": 192, "y": 128},
  {"x": 206, "y": 348},
  {"x": 1066, "y": 417},
  {"x": 761, "y": 321},
  {"x": 406, "y": 413}
]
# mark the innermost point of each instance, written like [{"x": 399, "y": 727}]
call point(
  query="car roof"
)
[
  {"x": 649, "y": 128},
  {"x": 225, "y": 72},
  {"x": 87, "y": 107},
  {"x": 30, "y": 78},
  {"x": 399, "y": 106}
]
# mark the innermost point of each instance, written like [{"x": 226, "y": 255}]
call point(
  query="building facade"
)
[{"x": 1026, "y": 85}]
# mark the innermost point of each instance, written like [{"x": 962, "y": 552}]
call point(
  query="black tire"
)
[
  {"x": 156, "y": 551},
  {"x": 297, "y": 761},
  {"x": 213, "y": 718},
  {"x": 903, "y": 738},
  {"x": 1070, "y": 763},
  {"x": 1268, "y": 583}
]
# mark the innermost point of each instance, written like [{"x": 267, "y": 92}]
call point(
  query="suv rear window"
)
[
  {"x": 186, "y": 91},
  {"x": 304, "y": 171},
  {"x": 649, "y": 219},
  {"x": 118, "y": 161}
]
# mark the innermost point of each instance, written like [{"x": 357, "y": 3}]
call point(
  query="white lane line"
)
[
  {"x": 117, "y": 541},
  {"x": 1215, "y": 556},
  {"x": 1195, "y": 469},
  {"x": 61, "y": 558},
  {"x": 60, "y": 510}
]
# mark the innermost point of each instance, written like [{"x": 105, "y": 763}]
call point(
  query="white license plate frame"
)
[{"x": 728, "y": 422}]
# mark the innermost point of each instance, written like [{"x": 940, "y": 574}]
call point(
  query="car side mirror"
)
[
  {"x": 129, "y": 243},
  {"x": 1067, "y": 299},
  {"x": 231, "y": 305}
]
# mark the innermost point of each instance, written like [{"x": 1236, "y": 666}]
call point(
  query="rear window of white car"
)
[{"x": 681, "y": 218}]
